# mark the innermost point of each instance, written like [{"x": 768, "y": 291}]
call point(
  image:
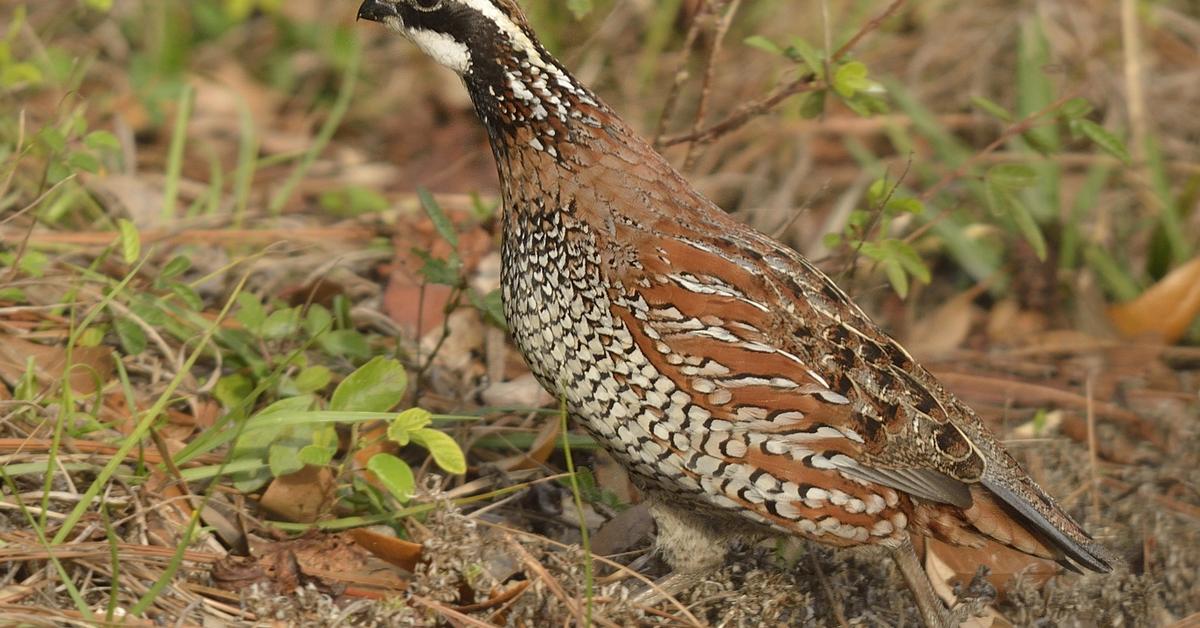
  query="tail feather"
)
[
  {"x": 989, "y": 517},
  {"x": 1044, "y": 529}
]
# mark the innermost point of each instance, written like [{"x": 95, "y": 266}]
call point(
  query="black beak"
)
[{"x": 376, "y": 10}]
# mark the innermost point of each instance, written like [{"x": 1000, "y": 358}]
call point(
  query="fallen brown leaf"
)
[
  {"x": 943, "y": 577},
  {"x": 946, "y": 329},
  {"x": 415, "y": 306},
  {"x": 301, "y": 496},
  {"x": 1008, "y": 324},
  {"x": 538, "y": 453},
  {"x": 958, "y": 564},
  {"x": 401, "y": 553},
  {"x": 500, "y": 597},
  {"x": 91, "y": 367},
  {"x": 1165, "y": 310},
  {"x": 623, "y": 531},
  {"x": 332, "y": 561}
]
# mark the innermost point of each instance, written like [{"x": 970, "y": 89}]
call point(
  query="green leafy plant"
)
[
  {"x": 241, "y": 9},
  {"x": 16, "y": 73},
  {"x": 448, "y": 271},
  {"x": 1023, "y": 196},
  {"x": 291, "y": 433},
  {"x": 898, "y": 259},
  {"x": 846, "y": 79},
  {"x": 590, "y": 490}
]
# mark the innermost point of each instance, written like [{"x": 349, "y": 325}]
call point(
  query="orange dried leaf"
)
[
  {"x": 538, "y": 453},
  {"x": 960, "y": 563},
  {"x": 91, "y": 367},
  {"x": 946, "y": 328},
  {"x": 498, "y": 598},
  {"x": 301, "y": 496},
  {"x": 377, "y": 443},
  {"x": 1165, "y": 310},
  {"x": 401, "y": 553}
]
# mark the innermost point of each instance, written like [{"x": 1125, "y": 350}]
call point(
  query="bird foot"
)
[
  {"x": 666, "y": 587},
  {"x": 934, "y": 614}
]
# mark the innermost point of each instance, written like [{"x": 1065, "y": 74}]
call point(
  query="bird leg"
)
[
  {"x": 692, "y": 545},
  {"x": 933, "y": 613}
]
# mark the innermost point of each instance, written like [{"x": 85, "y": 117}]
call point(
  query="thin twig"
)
[
  {"x": 194, "y": 236},
  {"x": 827, "y": 40},
  {"x": 679, "y": 78},
  {"x": 1019, "y": 127},
  {"x": 449, "y": 613},
  {"x": 749, "y": 111},
  {"x": 836, "y": 604},
  {"x": 18, "y": 149},
  {"x": 710, "y": 69},
  {"x": 876, "y": 220},
  {"x": 452, "y": 304},
  {"x": 602, "y": 559},
  {"x": 27, "y": 234},
  {"x": 539, "y": 570},
  {"x": 872, "y": 25},
  {"x": 1140, "y": 134},
  {"x": 806, "y": 83},
  {"x": 1135, "y": 92},
  {"x": 1093, "y": 463},
  {"x": 584, "y": 541}
]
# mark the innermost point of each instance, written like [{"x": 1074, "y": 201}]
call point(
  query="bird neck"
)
[
  {"x": 525, "y": 97},
  {"x": 552, "y": 136}
]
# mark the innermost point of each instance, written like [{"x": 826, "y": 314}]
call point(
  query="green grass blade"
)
[
  {"x": 175, "y": 153},
  {"x": 143, "y": 426},
  {"x": 336, "y": 114}
]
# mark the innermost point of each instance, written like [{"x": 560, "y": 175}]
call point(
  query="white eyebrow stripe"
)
[{"x": 508, "y": 27}]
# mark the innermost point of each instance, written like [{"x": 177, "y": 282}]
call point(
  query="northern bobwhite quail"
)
[{"x": 740, "y": 387}]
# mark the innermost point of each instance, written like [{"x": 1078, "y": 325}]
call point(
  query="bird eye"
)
[{"x": 426, "y": 5}]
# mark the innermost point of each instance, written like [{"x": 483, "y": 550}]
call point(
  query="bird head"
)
[{"x": 463, "y": 35}]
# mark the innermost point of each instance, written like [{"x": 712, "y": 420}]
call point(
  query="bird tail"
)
[{"x": 1019, "y": 514}]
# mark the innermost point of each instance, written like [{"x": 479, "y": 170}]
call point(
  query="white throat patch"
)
[{"x": 439, "y": 46}]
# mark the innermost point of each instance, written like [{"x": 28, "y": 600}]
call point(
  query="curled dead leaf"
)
[
  {"x": 499, "y": 597},
  {"x": 1165, "y": 310},
  {"x": 401, "y": 553},
  {"x": 301, "y": 496}
]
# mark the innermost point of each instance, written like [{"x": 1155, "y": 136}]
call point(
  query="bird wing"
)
[
  {"x": 812, "y": 416},
  {"x": 796, "y": 394}
]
